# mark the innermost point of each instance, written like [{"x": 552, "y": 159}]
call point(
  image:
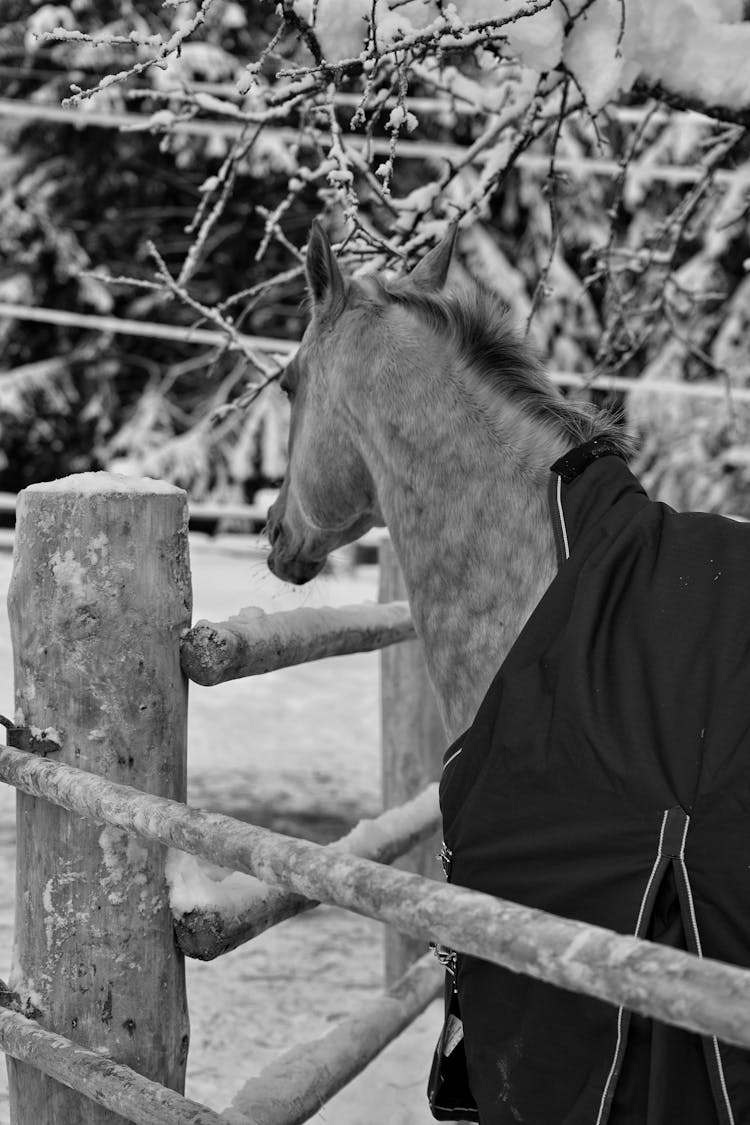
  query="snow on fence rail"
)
[
  {"x": 99, "y": 599},
  {"x": 209, "y": 922},
  {"x": 254, "y": 642}
]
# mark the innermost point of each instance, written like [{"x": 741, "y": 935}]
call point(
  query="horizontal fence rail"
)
[
  {"x": 255, "y": 514},
  {"x": 295, "y": 1085},
  {"x": 701, "y": 995},
  {"x": 576, "y": 166},
  {"x": 721, "y": 389},
  {"x": 206, "y": 932},
  {"x": 67, "y": 318},
  {"x": 286, "y": 1092},
  {"x": 109, "y": 1084},
  {"x": 254, "y": 642}
]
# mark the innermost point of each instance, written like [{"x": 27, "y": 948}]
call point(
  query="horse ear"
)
[
  {"x": 431, "y": 273},
  {"x": 324, "y": 278}
]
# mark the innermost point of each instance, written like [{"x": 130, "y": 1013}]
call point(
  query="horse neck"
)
[{"x": 464, "y": 495}]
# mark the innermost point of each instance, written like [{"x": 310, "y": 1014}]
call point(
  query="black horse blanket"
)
[{"x": 606, "y": 778}]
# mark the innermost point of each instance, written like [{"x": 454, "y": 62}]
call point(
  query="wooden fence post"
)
[
  {"x": 99, "y": 596},
  {"x": 413, "y": 742}
]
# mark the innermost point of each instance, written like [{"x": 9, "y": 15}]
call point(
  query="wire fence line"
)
[
  {"x": 377, "y": 146},
  {"x": 592, "y": 380},
  {"x": 97, "y": 323},
  {"x": 719, "y": 390},
  {"x": 430, "y": 106}
]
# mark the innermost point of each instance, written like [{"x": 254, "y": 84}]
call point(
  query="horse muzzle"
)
[
  {"x": 294, "y": 569},
  {"x": 287, "y": 561}
]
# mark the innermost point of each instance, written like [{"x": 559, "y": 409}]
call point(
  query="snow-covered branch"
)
[
  {"x": 504, "y": 110},
  {"x": 509, "y": 65}
]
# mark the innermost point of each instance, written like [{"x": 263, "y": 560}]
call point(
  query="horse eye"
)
[{"x": 288, "y": 379}]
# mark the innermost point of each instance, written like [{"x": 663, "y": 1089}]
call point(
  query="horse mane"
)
[{"x": 477, "y": 324}]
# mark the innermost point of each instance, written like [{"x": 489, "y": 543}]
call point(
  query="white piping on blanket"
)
[{"x": 566, "y": 544}]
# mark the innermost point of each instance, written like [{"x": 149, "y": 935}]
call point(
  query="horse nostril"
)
[{"x": 274, "y": 531}]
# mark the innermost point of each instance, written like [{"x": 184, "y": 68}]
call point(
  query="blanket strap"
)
[{"x": 565, "y": 470}]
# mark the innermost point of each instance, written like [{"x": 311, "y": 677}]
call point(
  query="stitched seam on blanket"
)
[
  {"x": 699, "y": 950},
  {"x": 608, "y": 1085}
]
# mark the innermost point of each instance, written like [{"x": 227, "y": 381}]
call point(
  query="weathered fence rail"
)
[
  {"x": 99, "y": 599},
  {"x": 699, "y": 994},
  {"x": 254, "y": 642},
  {"x": 106, "y": 1083}
]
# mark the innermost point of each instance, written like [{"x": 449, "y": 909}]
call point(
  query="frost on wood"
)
[{"x": 253, "y": 642}]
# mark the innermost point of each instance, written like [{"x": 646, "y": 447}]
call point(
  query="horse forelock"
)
[{"x": 477, "y": 324}]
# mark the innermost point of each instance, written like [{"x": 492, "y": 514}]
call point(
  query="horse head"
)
[{"x": 328, "y": 497}]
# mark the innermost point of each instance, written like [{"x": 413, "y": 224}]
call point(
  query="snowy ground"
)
[{"x": 296, "y": 750}]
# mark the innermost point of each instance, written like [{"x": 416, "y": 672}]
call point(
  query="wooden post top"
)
[{"x": 109, "y": 484}]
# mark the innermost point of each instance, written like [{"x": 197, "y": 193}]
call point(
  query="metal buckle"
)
[
  {"x": 445, "y": 855},
  {"x": 446, "y": 956}
]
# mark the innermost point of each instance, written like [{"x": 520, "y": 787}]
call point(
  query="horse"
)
[
  {"x": 550, "y": 595},
  {"x": 426, "y": 415}
]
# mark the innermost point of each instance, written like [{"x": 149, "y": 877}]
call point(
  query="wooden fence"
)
[{"x": 95, "y": 1017}]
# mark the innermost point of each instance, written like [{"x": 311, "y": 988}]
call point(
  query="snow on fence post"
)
[
  {"x": 413, "y": 741},
  {"x": 99, "y": 596}
]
